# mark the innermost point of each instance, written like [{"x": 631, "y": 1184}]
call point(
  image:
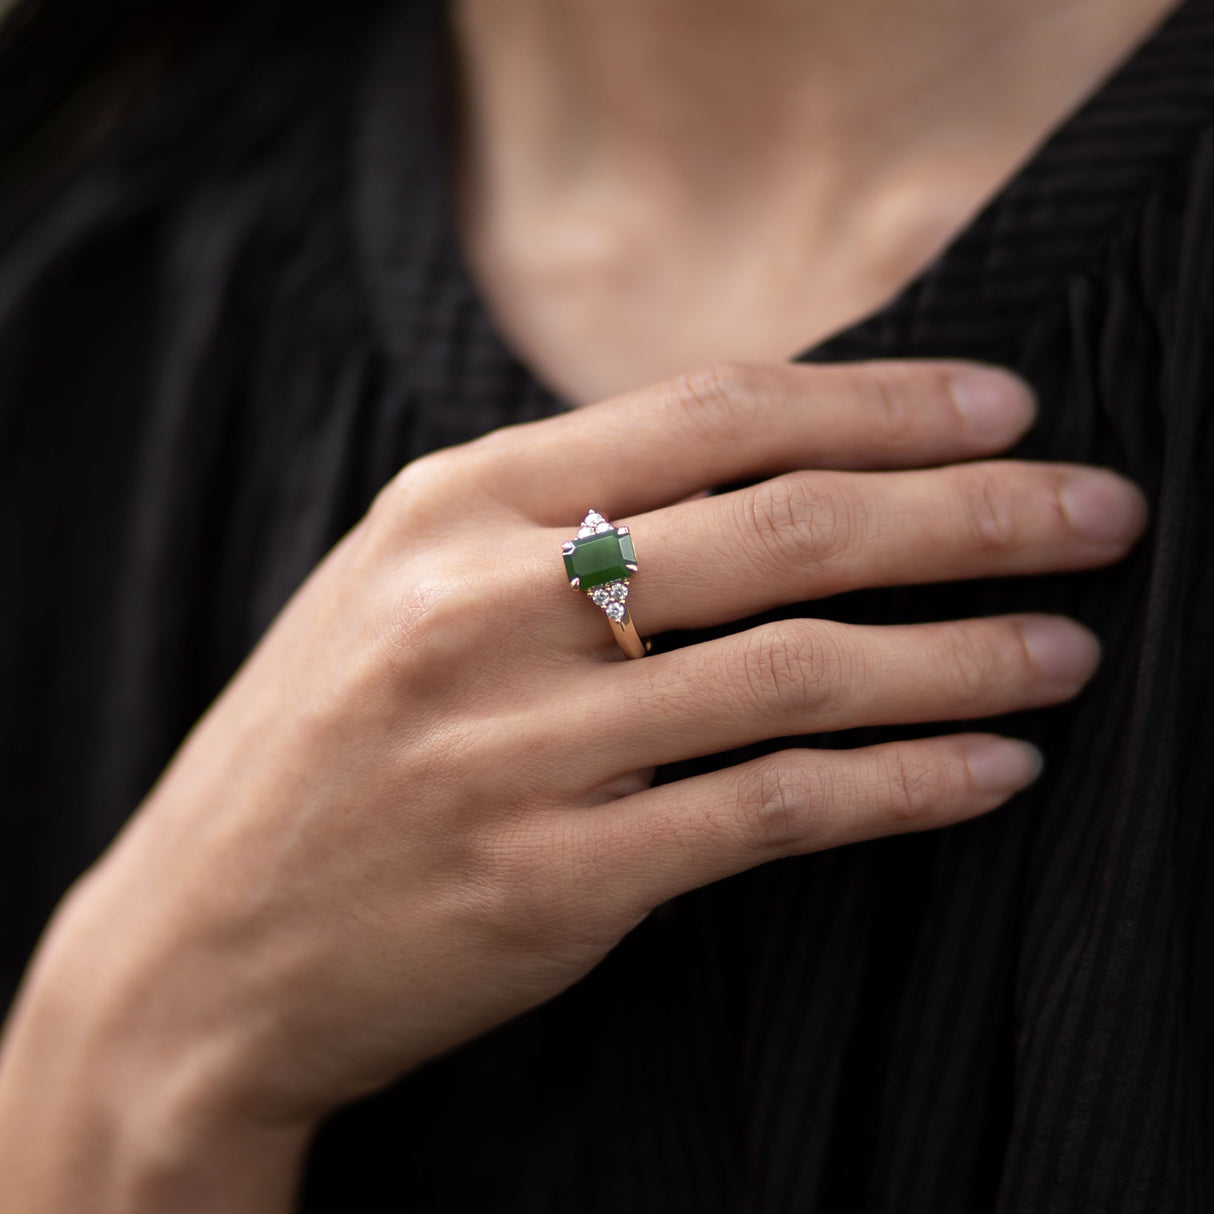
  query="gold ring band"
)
[{"x": 627, "y": 637}]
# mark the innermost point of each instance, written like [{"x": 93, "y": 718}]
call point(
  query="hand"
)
[{"x": 422, "y": 805}]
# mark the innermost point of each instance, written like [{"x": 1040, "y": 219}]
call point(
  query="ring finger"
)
[{"x": 814, "y": 534}]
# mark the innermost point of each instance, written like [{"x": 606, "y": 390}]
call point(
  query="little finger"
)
[{"x": 664, "y": 841}]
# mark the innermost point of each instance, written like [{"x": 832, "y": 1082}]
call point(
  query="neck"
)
[
  {"x": 698, "y": 102},
  {"x": 646, "y": 185}
]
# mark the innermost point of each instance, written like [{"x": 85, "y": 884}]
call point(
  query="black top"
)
[{"x": 225, "y": 331}]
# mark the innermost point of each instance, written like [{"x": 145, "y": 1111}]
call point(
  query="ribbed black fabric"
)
[{"x": 220, "y": 336}]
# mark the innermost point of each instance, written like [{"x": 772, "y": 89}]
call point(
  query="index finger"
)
[{"x": 735, "y": 421}]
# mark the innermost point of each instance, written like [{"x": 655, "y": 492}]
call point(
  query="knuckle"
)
[
  {"x": 975, "y": 661},
  {"x": 780, "y": 802},
  {"x": 915, "y": 786},
  {"x": 430, "y": 624},
  {"x": 990, "y": 509},
  {"x": 495, "y": 449},
  {"x": 497, "y": 892},
  {"x": 794, "y": 666},
  {"x": 801, "y": 519},
  {"x": 414, "y": 492},
  {"x": 526, "y": 902},
  {"x": 529, "y": 899},
  {"x": 1015, "y": 658},
  {"x": 721, "y": 401},
  {"x": 892, "y": 398}
]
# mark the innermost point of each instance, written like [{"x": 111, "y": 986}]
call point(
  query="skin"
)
[
  {"x": 374, "y": 845},
  {"x": 648, "y": 186}
]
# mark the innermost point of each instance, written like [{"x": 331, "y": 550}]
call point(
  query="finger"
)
[
  {"x": 740, "y": 420},
  {"x": 667, "y": 840},
  {"x": 810, "y": 676},
  {"x": 809, "y": 535}
]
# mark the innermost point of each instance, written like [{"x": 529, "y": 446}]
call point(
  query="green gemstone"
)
[{"x": 601, "y": 558}]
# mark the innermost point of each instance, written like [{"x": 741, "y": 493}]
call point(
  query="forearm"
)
[{"x": 86, "y": 1123}]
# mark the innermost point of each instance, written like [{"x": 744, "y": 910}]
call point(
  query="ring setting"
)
[{"x": 601, "y": 561}]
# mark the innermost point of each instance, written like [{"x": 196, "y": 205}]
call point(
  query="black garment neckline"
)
[{"x": 994, "y": 272}]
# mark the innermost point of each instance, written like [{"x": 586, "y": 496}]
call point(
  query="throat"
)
[
  {"x": 639, "y": 191},
  {"x": 590, "y": 327}
]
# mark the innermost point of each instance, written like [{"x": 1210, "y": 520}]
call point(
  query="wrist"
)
[{"x": 101, "y": 1111}]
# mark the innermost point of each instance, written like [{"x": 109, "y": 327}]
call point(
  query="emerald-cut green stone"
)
[{"x": 601, "y": 558}]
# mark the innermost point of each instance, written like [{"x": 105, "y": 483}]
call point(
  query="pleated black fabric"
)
[{"x": 221, "y": 334}]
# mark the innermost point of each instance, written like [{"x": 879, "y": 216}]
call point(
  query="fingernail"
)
[
  {"x": 1102, "y": 506},
  {"x": 1064, "y": 652},
  {"x": 994, "y": 404},
  {"x": 1003, "y": 764}
]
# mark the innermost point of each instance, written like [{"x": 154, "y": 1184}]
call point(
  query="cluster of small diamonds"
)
[
  {"x": 611, "y": 598},
  {"x": 592, "y": 523}
]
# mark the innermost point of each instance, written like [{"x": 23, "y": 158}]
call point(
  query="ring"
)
[{"x": 601, "y": 561}]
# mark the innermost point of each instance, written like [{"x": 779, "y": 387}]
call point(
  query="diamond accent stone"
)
[
  {"x": 616, "y": 611},
  {"x": 614, "y": 593}
]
